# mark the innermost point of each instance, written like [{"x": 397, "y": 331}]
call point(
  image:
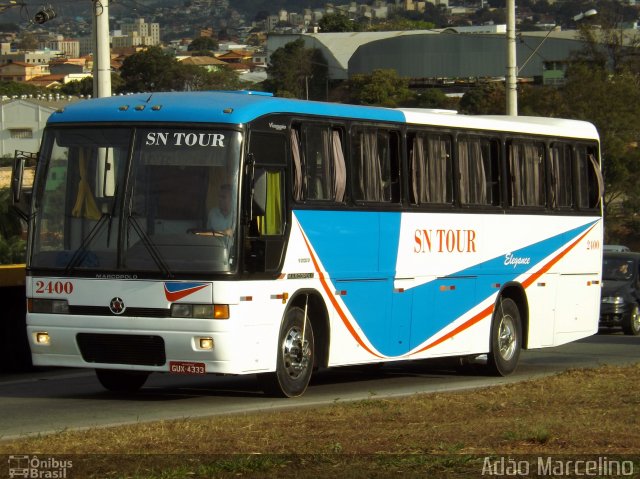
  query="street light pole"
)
[
  {"x": 512, "y": 67},
  {"x": 511, "y": 79},
  {"x": 101, "y": 50}
]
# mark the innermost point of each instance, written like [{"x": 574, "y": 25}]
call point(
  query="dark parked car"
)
[{"x": 620, "y": 302}]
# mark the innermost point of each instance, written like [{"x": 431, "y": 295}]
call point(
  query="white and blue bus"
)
[{"x": 238, "y": 233}]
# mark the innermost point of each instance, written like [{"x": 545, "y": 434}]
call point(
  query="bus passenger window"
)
[
  {"x": 376, "y": 165},
  {"x": 561, "y": 176},
  {"x": 478, "y": 165},
  {"x": 589, "y": 178},
  {"x": 319, "y": 165},
  {"x": 431, "y": 171},
  {"x": 526, "y": 170}
]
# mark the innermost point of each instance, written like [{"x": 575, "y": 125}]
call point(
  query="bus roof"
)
[{"x": 242, "y": 107}]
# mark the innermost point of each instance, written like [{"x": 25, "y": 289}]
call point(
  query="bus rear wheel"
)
[
  {"x": 295, "y": 357},
  {"x": 506, "y": 338},
  {"x": 121, "y": 381}
]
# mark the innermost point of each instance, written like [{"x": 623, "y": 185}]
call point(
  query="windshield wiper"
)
[
  {"x": 151, "y": 247},
  {"x": 81, "y": 253},
  {"x": 113, "y": 210}
]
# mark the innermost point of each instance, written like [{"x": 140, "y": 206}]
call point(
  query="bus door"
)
[{"x": 265, "y": 205}]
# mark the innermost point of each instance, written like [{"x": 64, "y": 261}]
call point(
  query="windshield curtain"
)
[{"x": 177, "y": 215}]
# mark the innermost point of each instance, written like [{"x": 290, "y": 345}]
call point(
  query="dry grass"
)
[{"x": 576, "y": 413}]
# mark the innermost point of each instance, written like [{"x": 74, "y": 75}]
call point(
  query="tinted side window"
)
[
  {"x": 431, "y": 171},
  {"x": 479, "y": 171},
  {"x": 588, "y": 188},
  {"x": 526, "y": 171},
  {"x": 375, "y": 161},
  {"x": 561, "y": 175},
  {"x": 318, "y": 163}
]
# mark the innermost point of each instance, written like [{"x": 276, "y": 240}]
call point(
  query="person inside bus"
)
[{"x": 220, "y": 218}]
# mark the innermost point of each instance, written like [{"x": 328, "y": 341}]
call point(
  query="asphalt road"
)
[{"x": 55, "y": 400}]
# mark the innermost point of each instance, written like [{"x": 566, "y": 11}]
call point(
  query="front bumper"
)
[{"x": 612, "y": 315}]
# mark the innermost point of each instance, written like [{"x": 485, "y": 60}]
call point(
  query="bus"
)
[{"x": 240, "y": 233}]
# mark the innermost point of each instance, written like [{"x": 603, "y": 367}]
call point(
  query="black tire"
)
[
  {"x": 295, "y": 358},
  {"x": 506, "y": 338},
  {"x": 15, "y": 354},
  {"x": 121, "y": 381},
  {"x": 631, "y": 324}
]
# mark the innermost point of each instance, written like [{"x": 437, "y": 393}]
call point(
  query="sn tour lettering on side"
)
[
  {"x": 444, "y": 241},
  {"x": 185, "y": 139}
]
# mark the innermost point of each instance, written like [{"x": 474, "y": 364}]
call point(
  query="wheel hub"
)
[
  {"x": 507, "y": 338},
  {"x": 296, "y": 353}
]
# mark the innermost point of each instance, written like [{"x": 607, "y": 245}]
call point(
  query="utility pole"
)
[
  {"x": 512, "y": 67},
  {"x": 101, "y": 50}
]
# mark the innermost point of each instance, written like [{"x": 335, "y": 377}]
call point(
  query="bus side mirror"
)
[
  {"x": 21, "y": 194},
  {"x": 17, "y": 174}
]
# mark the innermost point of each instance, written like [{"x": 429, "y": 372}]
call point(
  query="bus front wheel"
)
[
  {"x": 295, "y": 357},
  {"x": 506, "y": 338},
  {"x": 121, "y": 381}
]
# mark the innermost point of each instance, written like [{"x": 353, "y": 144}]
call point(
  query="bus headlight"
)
[
  {"x": 200, "y": 311},
  {"x": 42, "y": 338},
  {"x": 48, "y": 306},
  {"x": 205, "y": 343}
]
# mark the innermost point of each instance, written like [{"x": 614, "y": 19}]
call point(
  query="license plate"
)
[{"x": 183, "y": 367}]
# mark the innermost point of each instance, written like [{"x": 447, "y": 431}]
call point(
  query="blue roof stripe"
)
[{"x": 208, "y": 107}]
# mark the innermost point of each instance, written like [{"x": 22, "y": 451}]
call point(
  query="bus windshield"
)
[{"x": 157, "y": 201}]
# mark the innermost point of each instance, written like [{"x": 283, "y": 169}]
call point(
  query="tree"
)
[
  {"x": 381, "y": 87},
  {"x": 603, "y": 87},
  {"x": 336, "y": 22},
  {"x": 10, "y": 88},
  {"x": 436, "y": 15},
  {"x": 78, "y": 87},
  {"x": 12, "y": 246},
  {"x": 201, "y": 44},
  {"x": 486, "y": 99},
  {"x": 610, "y": 102},
  {"x": 28, "y": 41},
  {"x": 150, "y": 70},
  {"x": 398, "y": 23},
  {"x": 433, "y": 98},
  {"x": 297, "y": 72},
  {"x": 195, "y": 78}
]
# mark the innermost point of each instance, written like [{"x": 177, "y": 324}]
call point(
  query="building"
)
[
  {"x": 70, "y": 48},
  {"x": 86, "y": 45},
  {"x": 147, "y": 33},
  {"x": 460, "y": 54},
  {"x": 22, "y": 122},
  {"x": 35, "y": 57},
  {"x": 21, "y": 72},
  {"x": 464, "y": 58},
  {"x": 210, "y": 64}
]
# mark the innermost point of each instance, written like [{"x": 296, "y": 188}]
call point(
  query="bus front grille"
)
[
  {"x": 142, "y": 350},
  {"x": 133, "y": 312}
]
